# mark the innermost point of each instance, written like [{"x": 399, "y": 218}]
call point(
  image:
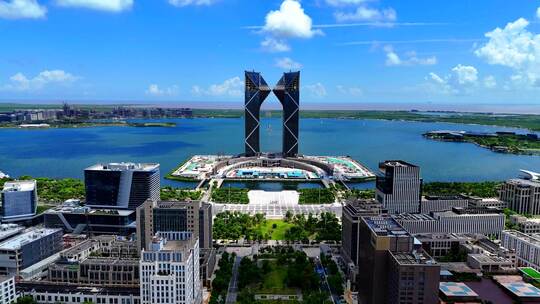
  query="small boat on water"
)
[{"x": 3, "y": 175}]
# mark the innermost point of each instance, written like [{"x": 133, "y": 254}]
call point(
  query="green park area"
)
[
  {"x": 230, "y": 195},
  {"x": 316, "y": 196},
  {"x": 279, "y": 271},
  {"x": 236, "y": 225},
  {"x": 171, "y": 193},
  {"x": 275, "y": 228}
]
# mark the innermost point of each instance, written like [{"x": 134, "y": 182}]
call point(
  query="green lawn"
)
[
  {"x": 274, "y": 282},
  {"x": 279, "y": 232},
  {"x": 531, "y": 272}
]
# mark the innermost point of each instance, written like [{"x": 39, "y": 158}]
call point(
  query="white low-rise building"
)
[
  {"x": 525, "y": 224},
  {"x": 169, "y": 270},
  {"x": 8, "y": 294},
  {"x": 527, "y": 247},
  {"x": 451, "y": 222}
]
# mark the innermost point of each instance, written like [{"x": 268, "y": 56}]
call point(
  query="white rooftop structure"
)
[
  {"x": 26, "y": 185},
  {"x": 124, "y": 167},
  {"x": 530, "y": 175},
  {"x": 26, "y": 237},
  {"x": 8, "y": 230}
]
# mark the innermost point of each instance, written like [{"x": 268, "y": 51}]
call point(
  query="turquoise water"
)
[{"x": 66, "y": 152}]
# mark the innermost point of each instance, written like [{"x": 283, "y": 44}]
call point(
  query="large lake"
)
[{"x": 66, "y": 152}]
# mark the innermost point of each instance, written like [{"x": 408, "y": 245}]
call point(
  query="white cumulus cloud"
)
[
  {"x": 351, "y": 91},
  {"x": 19, "y": 81},
  {"x": 317, "y": 90},
  {"x": 393, "y": 59},
  {"x": 465, "y": 74},
  {"x": 21, "y": 9},
  {"x": 516, "y": 48},
  {"x": 274, "y": 45},
  {"x": 287, "y": 63},
  {"x": 101, "y": 5},
  {"x": 364, "y": 13},
  {"x": 232, "y": 87},
  {"x": 538, "y": 13},
  {"x": 290, "y": 21},
  {"x": 462, "y": 79},
  {"x": 345, "y": 2},
  {"x": 490, "y": 82},
  {"x": 182, "y": 3},
  {"x": 155, "y": 90}
]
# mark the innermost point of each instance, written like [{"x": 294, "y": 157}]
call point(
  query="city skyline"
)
[{"x": 190, "y": 51}]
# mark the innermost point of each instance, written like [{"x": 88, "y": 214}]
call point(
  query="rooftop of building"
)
[
  {"x": 362, "y": 206},
  {"x": 413, "y": 258},
  {"x": 530, "y": 175},
  {"x": 489, "y": 259},
  {"x": 456, "y": 289},
  {"x": 26, "y": 237},
  {"x": 124, "y": 167},
  {"x": 8, "y": 230},
  {"x": 173, "y": 204},
  {"x": 89, "y": 211},
  {"x": 446, "y": 236},
  {"x": 63, "y": 288},
  {"x": 396, "y": 163},
  {"x": 414, "y": 217},
  {"x": 24, "y": 185},
  {"x": 385, "y": 226},
  {"x": 78, "y": 248},
  {"x": 444, "y": 197},
  {"x": 533, "y": 239},
  {"x": 522, "y": 289},
  {"x": 524, "y": 182}
]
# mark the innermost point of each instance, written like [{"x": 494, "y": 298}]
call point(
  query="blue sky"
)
[{"x": 349, "y": 51}]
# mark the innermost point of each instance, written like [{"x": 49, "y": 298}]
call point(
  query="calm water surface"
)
[{"x": 66, "y": 152}]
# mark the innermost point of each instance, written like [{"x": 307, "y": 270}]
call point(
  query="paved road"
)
[
  {"x": 326, "y": 286},
  {"x": 233, "y": 284}
]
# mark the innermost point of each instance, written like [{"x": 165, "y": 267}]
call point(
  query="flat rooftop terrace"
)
[
  {"x": 123, "y": 167},
  {"x": 29, "y": 236},
  {"x": 385, "y": 226},
  {"x": 456, "y": 289}
]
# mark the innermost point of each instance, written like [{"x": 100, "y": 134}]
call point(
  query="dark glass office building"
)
[
  {"x": 256, "y": 92},
  {"x": 174, "y": 216},
  {"x": 287, "y": 91},
  {"x": 121, "y": 185}
]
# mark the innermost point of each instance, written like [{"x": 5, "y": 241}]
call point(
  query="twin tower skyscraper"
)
[{"x": 287, "y": 90}]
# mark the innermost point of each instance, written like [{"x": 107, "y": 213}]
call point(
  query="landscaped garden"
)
[
  {"x": 279, "y": 271},
  {"x": 316, "y": 196},
  {"x": 170, "y": 193},
  {"x": 235, "y": 225},
  {"x": 230, "y": 195}
]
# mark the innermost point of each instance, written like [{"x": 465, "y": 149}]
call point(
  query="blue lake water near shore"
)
[{"x": 66, "y": 152}]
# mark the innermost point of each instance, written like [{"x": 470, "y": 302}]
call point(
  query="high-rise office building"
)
[
  {"x": 399, "y": 186},
  {"x": 287, "y": 91},
  {"x": 174, "y": 216},
  {"x": 351, "y": 217},
  {"x": 256, "y": 91},
  {"x": 522, "y": 194},
  {"x": 19, "y": 200},
  {"x": 169, "y": 270},
  {"x": 121, "y": 185},
  {"x": 393, "y": 268}
]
